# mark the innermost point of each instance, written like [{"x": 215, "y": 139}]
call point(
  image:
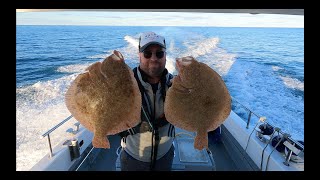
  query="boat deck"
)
[{"x": 106, "y": 159}]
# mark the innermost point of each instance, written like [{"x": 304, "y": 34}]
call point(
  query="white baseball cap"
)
[{"x": 149, "y": 38}]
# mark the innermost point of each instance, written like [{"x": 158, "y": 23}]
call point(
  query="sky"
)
[{"x": 107, "y": 18}]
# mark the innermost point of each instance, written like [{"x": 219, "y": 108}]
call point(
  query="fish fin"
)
[
  {"x": 69, "y": 96},
  {"x": 214, "y": 126},
  {"x": 93, "y": 66},
  {"x": 99, "y": 142},
  {"x": 75, "y": 101},
  {"x": 201, "y": 140}
]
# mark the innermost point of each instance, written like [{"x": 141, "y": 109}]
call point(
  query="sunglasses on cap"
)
[{"x": 147, "y": 54}]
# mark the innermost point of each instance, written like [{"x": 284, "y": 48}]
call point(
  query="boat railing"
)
[
  {"x": 53, "y": 129},
  {"x": 237, "y": 107},
  {"x": 291, "y": 144},
  {"x": 244, "y": 113}
]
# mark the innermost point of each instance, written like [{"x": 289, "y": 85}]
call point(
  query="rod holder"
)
[{"x": 74, "y": 149}]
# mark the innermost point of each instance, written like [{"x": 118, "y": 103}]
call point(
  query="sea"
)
[{"x": 263, "y": 69}]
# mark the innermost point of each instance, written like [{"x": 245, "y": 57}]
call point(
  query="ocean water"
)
[{"x": 263, "y": 69}]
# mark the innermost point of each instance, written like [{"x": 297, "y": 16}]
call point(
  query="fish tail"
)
[
  {"x": 201, "y": 140},
  {"x": 99, "y": 142}
]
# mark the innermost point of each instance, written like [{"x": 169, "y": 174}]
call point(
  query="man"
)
[{"x": 149, "y": 145}]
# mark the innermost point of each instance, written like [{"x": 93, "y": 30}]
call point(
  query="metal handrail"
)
[
  {"x": 245, "y": 107},
  {"x": 285, "y": 136},
  {"x": 51, "y": 130},
  {"x": 250, "y": 112}
]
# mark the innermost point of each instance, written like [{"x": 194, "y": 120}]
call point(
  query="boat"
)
[
  {"x": 242, "y": 143},
  {"x": 237, "y": 145}
]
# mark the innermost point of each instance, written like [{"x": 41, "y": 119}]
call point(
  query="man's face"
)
[{"x": 153, "y": 60}]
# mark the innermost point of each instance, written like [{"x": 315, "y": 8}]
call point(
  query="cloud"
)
[{"x": 101, "y": 18}]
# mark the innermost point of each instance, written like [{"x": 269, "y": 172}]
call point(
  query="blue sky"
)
[{"x": 107, "y": 18}]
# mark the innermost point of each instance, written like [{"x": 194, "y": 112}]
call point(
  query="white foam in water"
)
[
  {"x": 98, "y": 56},
  {"x": 290, "y": 82},
  {"x": 130, "y": 52},
  {"x": 219, "y": 60},
  {"x": 276, "y": 68},
  {"x": 200, "y": 48},
  {"x": 132, "y": 41},
  {"x": 39, "y": 108},
  {"x": 74, "y": 68},
  {"x": 255, "y": 86},
  {"x": 293, "y": 83},
  {"x": 170, "y": 65}
]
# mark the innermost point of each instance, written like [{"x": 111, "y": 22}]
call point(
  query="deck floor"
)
[
  {"x": 222, "y": 159},
  {"x": 106, "y": 159}
]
